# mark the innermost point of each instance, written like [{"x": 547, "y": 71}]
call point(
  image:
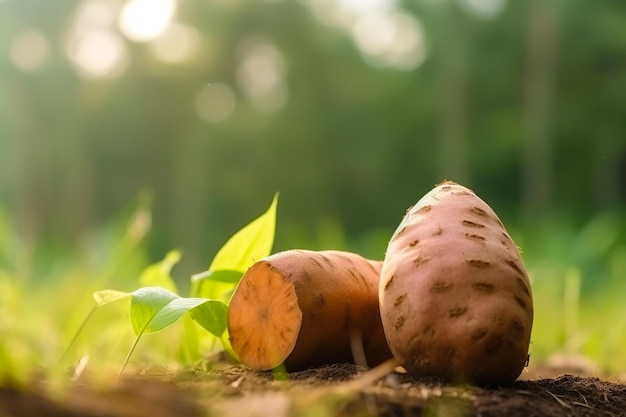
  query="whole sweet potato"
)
[
  {"x": 305, "y": 308},
  {"x": 455, "y": 297}
]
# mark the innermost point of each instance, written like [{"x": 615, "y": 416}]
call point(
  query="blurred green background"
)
[
  {"x": 350, "y": 109},
  {"x": 201, "y": 110}
]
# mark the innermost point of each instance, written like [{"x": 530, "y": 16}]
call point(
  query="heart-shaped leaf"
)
[
  {"x": 172, "y": 311},
  {"x": 212, "y": 316},
  {"x": 145, "y": 304}
]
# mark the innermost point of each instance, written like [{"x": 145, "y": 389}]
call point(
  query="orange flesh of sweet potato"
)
[
  {"x": 304, "y": 308},
  {"x": 455, "y": 296},
  {"x": 260, "y": 342}
]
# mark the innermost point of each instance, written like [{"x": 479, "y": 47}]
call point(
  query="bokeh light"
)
[
  {"x": 29, "y": 50},
  {"x": 385, "y": 35},
  {"x": 144, "y": 20},
  {"x": 179, "y": 43},
  {"x": 261, "y": 74},
  {"x": 216, "y": 102},
  {"x": 367, "y": 6},
  {"x": 92, "y": 45},
  {"x": 390, "y": 39},
  {"x": 93, "y": 14},
  {"x": 98, "y": 53}
]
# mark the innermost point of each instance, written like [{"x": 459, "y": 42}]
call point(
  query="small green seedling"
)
[
  {"x": 156, "y": 305},
  {"x": 153, "y": 309}
]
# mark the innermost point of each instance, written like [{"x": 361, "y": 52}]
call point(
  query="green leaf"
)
[
  {"x": 145, "y": 304},
  {"x": 212, "y": 316},
  {"x": 108, "y": 296},
  {"x": 214, "y": 284},
  {"x": 158, "y": 274},
  {"x": 153, "y": 309},
  {"x": 222, "y": 275},
  {"x": 171, "y": 312},
  {"x": 248, "y": 245}
]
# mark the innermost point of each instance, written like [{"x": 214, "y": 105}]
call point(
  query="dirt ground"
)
[{"x": 340, "y": 390}]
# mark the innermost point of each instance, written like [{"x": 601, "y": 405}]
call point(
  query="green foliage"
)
[
  {"x": 104, "y": 297},
  {"x": 335, "y": 147},
  {"x": 153, "y": 309},
  {"x": 577, "y": 280},
  {"x": 349, "y": 158},
  {"x": 250, "y": 244},
  {"x": 159, "y": 274},
  {"x": 211, "y": 315},
  {"x": 245, "y": 247},
  {"x": 577, "y": 277},
  {"x": 156, "y": 306},
  {"x": 146, "y": 303}
]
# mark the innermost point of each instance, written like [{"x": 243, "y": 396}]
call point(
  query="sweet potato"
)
[
  {"x": 455, "y": 297},
  {"x": 305, "y": 308}
]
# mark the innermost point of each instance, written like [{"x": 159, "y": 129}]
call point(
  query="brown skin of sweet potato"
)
[
  {"x": 315, "y": 307},
  {"x": 455, "y": 298}
]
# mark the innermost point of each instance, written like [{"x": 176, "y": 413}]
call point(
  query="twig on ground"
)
[{"x": 560, "y": 401}]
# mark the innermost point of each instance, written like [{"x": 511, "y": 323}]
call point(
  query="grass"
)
[
  {"x": 577, "y": 278},
  {"x": 45, "y": 297},
  {"x": 53, "y": 322}
]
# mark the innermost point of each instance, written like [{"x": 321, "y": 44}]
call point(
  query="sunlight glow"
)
[
  {"x": 391, "y": 39},
  {"x": 367, "y": 6},
  {"x": 375, "y": 33},
  {"x": 216, "y": 102},
  {"x": 385, "y": 35},
  {"x": 29, "y": 50},
  {"x": 144, "y": 20},
  {"x": 261, "y": 74},
  {"x": 98, "y": 53},
  {"x": 95, "y": 49},
  {"x": 92, "y": 14},
  {"x": 326, "y": 11},
  {"x": 178, "y": 44}
]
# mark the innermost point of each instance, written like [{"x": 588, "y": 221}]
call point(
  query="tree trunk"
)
[
  {"x": 453, "y": 157},
  {"x": 538, "y": 108}
]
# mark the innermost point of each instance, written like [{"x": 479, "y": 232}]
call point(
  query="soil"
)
[{"x": 339, "y": 390}]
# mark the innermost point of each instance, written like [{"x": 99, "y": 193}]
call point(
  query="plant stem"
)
[
  {"x": 130, "y": 352},
  {"x": 77, "y": 333}
]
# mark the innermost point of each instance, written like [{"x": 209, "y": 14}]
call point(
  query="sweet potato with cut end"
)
[
  {"x": 455, "y": 297},
  {"x": 305, "y": 308}
]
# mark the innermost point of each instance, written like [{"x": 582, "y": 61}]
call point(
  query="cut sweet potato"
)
[{"x": 305, "y": 308}]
